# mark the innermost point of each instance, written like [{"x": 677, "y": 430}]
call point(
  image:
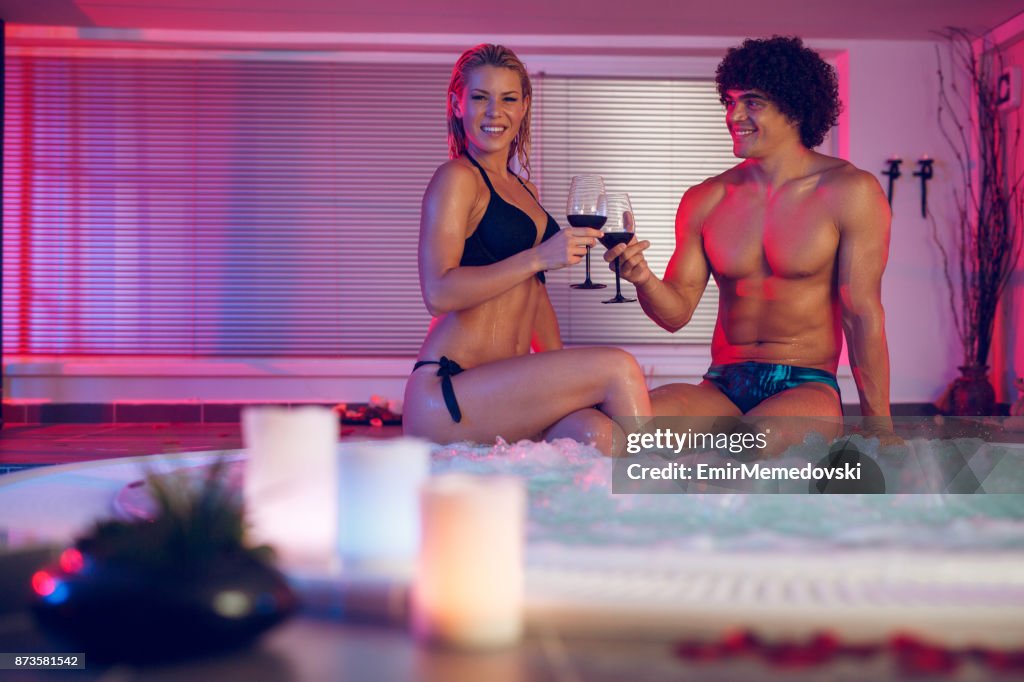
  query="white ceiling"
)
[{"x": 863, "y": 19}]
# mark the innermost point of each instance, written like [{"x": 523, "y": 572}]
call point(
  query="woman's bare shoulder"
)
[{"x": 457, "y": 173}]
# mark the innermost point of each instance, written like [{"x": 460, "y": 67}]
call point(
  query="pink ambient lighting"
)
[
  {"x": 71, "y": 560},
  {"x": 43, "y": 583}
]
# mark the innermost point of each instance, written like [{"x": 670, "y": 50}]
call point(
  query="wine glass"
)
[
  {"x": 618, "y": 229},
  {"x": 585, "y": 208}
]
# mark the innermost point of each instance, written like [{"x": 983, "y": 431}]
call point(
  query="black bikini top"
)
[{"x": 504, "y": 231}]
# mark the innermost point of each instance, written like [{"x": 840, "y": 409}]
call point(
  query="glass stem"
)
[
  {"x": 587, "y": 280},
  {"x": 618, "y": 290}
]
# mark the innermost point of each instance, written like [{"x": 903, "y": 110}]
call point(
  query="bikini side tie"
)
[{"x": 446, "y": 370}]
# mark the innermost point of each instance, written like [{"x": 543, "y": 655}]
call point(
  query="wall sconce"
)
[
  {"x": 893, "y": 172},
  {"x": 925, "y": 173}
]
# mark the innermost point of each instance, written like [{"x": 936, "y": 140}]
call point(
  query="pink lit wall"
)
[
  {"x": 1009, "y": 332},
  {"x": 890, "y": 88}
]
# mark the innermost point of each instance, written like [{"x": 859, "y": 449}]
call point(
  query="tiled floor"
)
[{"x": 28, "y": 445}]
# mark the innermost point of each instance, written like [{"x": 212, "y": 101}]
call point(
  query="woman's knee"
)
[
  {"x": 619, "y": 365},
  {"x": 631, "y": 379}
]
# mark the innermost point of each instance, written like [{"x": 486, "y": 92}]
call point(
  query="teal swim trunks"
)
[{"x": 747, "y": 384}]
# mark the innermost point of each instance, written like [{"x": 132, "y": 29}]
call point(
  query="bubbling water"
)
[{"x": 571, "y": 500}]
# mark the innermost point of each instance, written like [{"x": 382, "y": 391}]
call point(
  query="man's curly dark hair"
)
[{"x": 800, "y": 83}]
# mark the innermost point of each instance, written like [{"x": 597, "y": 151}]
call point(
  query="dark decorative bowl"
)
[{"x": 116, "y": 611}]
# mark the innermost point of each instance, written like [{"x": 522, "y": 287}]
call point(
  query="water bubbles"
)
[{"x": 571, "y": 501}]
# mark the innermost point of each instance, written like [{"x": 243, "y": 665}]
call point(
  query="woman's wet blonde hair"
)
[{"x": 486, "y": 54}]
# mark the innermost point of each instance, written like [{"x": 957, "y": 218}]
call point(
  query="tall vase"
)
[{"x": 971, "y": 394}]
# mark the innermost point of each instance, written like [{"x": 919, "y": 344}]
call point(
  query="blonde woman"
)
[{"x": 485, "y": 243}]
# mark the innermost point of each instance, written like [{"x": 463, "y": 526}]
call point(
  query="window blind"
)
[
  {"x": 246, "y": 206},
  {"x": 216, "y": 207},
  {"x": 651, "y": 138}
]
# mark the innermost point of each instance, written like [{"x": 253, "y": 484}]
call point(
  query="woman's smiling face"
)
[{"x": 492, "y": 108}]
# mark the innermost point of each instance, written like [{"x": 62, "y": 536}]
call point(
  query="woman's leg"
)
[
  {"x": 522, "y": 397},
  {"x": 590, "y": 426}
]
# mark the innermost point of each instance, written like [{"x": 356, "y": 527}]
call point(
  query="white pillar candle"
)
[
  {"x": 291, "y": 495},
  {"x": 379, "y": 514},
  {"x": 468, "y": 590}
]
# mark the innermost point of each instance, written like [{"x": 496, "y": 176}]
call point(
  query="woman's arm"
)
[{"x": 447, "y": 286}]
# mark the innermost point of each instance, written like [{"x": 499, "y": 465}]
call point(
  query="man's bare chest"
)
[{"x": 760, "y": 238}]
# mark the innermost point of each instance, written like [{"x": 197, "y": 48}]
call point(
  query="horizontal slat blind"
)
[
  {"x": 216, "y": 207},
  {"x": 270, "y": 207},
  {"x": 651, "y": 138}
]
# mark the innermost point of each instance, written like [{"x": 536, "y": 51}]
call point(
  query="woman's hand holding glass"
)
[
  {"x": 568, "y": 247},
  {"x": 585, "y": 207}
]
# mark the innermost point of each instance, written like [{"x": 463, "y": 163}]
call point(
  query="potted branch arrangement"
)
[
  {"x": 986, "y": 228},
  {"x": 180, "y": 584}
]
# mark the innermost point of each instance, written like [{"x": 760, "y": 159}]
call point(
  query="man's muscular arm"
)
[
  {"x": 670, "y": 302},
  {"x": 864, "y": 219}
]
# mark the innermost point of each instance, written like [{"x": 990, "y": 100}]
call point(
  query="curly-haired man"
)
[{"x": 797, "y": 242}]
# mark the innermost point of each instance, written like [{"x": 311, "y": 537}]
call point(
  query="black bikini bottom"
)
[{"x": 448, "y": 369}]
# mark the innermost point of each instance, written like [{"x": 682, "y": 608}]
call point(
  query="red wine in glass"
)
[
  {"x": 612, "y": 239},
  {"x": 585, "y": 207},
  {"x": 618, "y": 230},
  {"x": 594, "y": 221}
]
